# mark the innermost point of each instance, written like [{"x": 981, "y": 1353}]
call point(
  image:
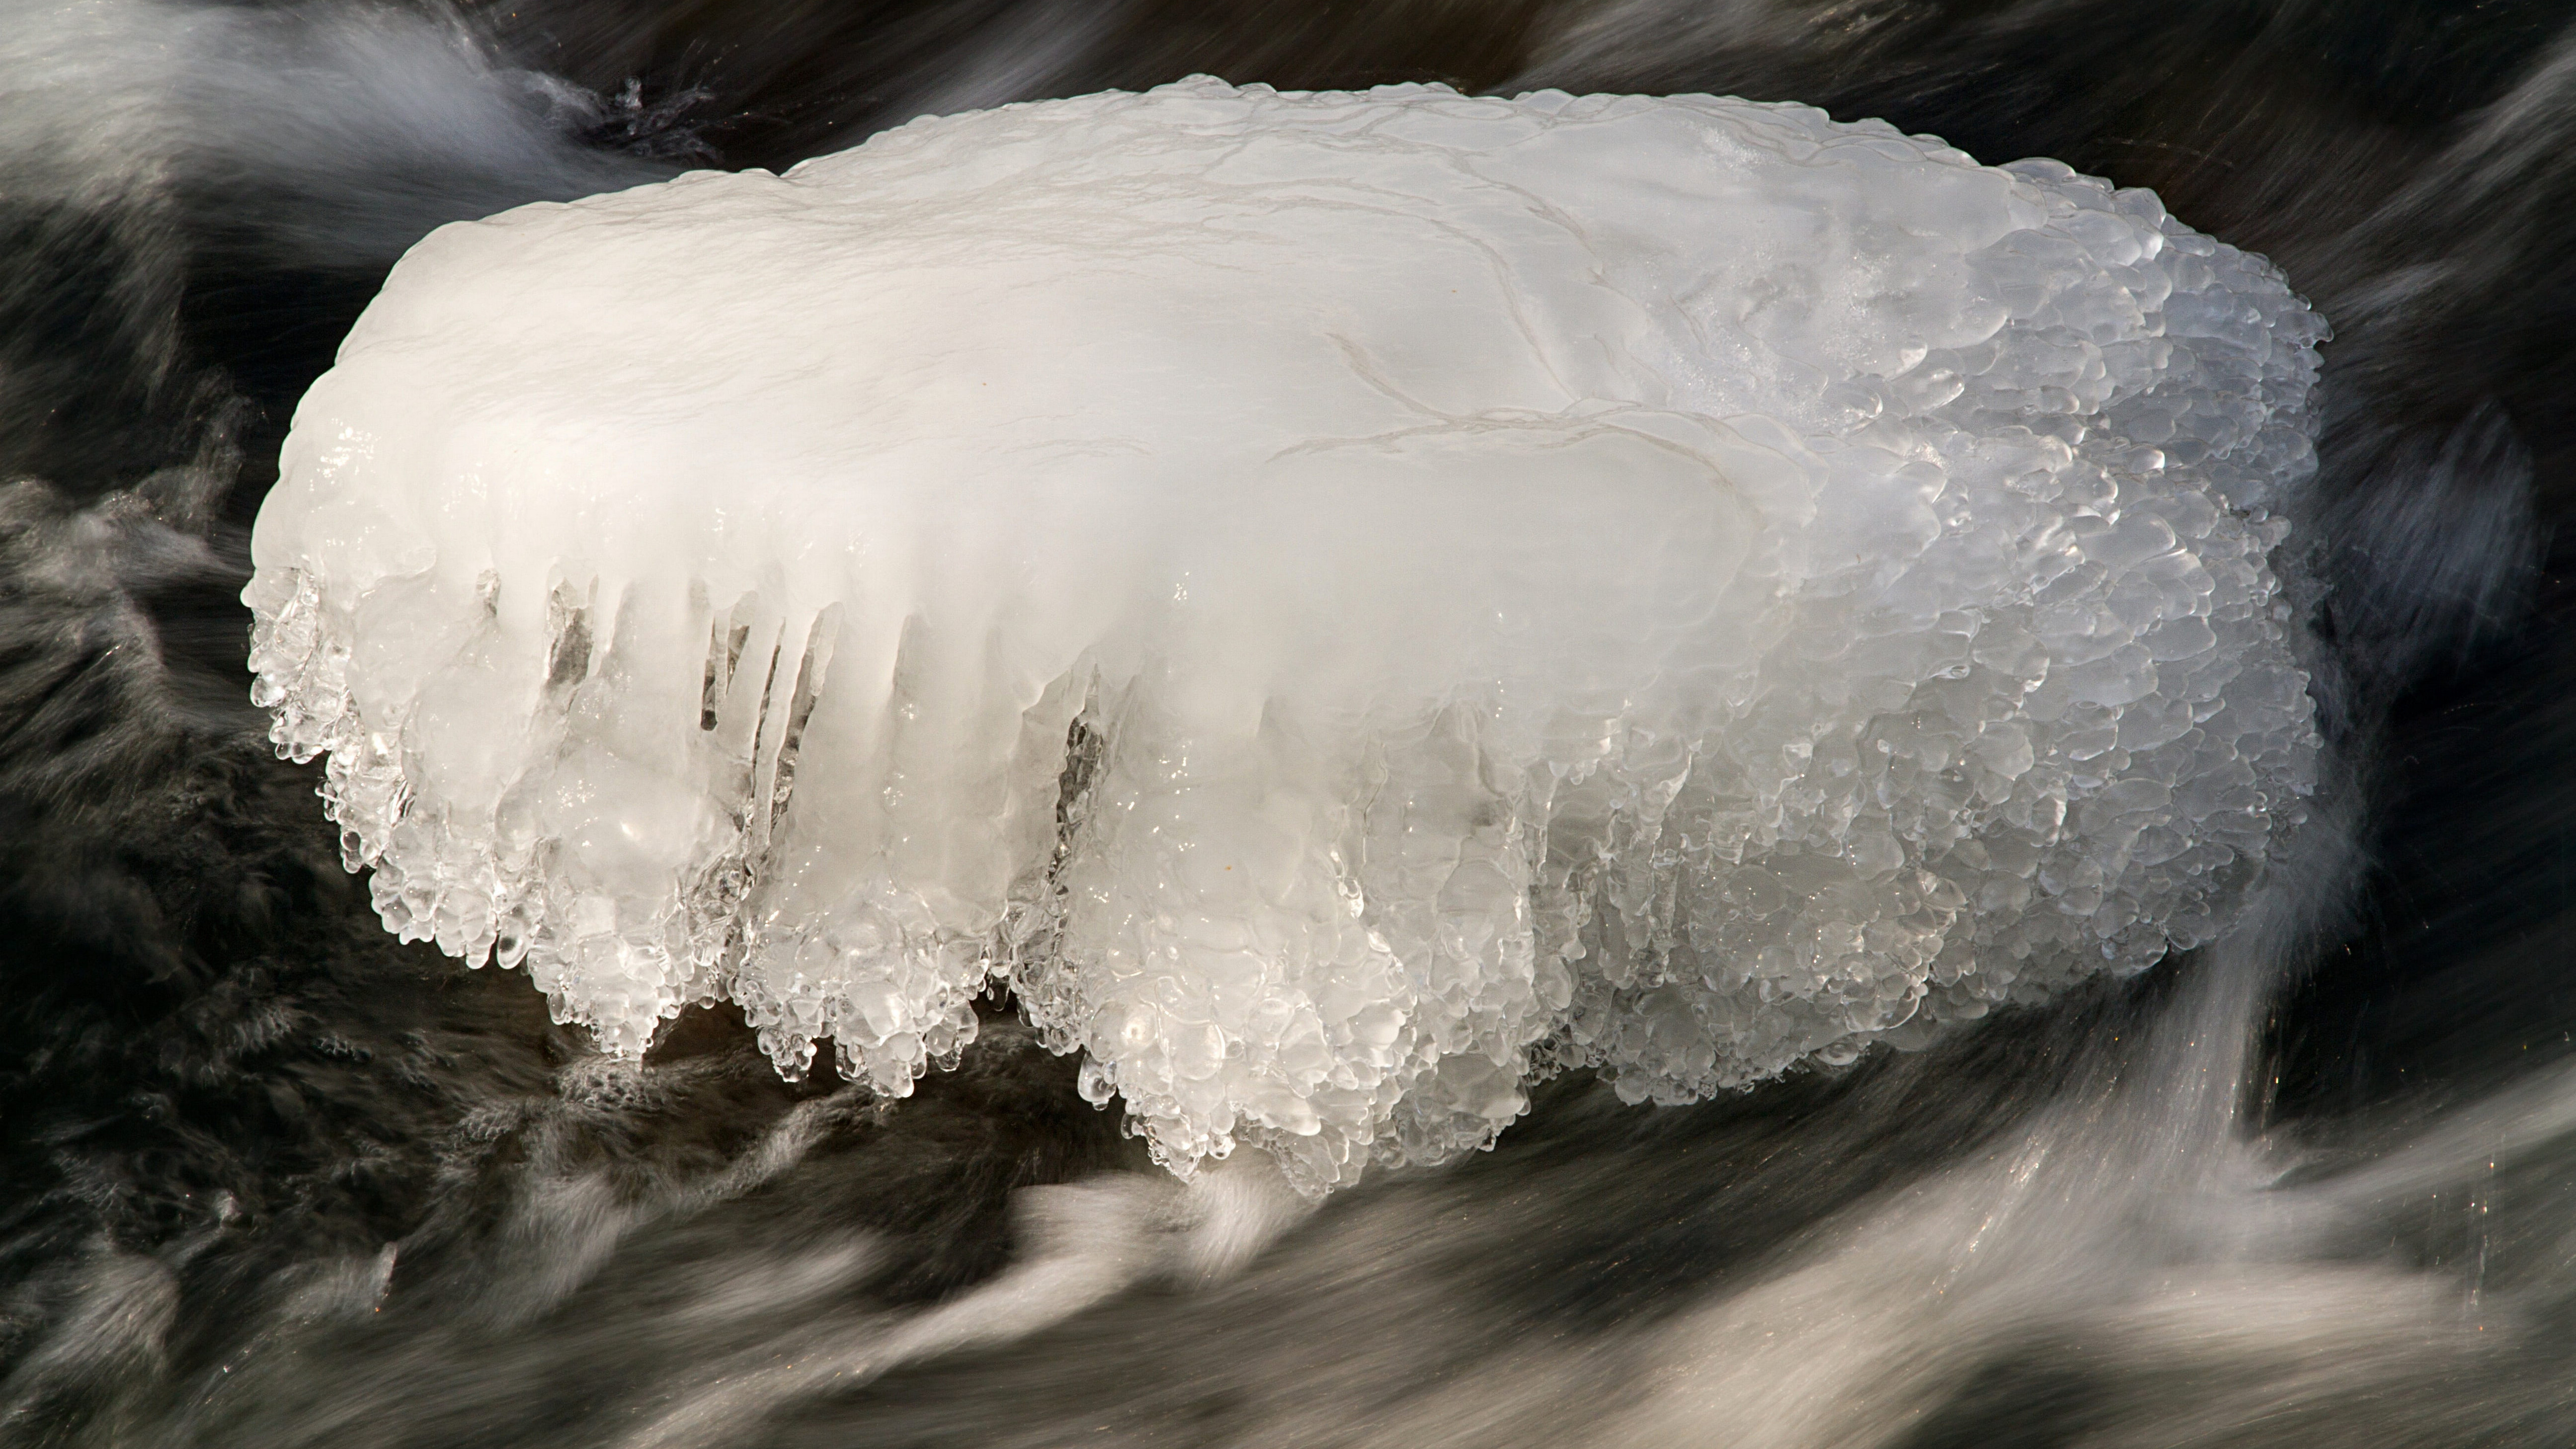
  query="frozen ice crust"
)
[{"x": 1344, "y": 602}]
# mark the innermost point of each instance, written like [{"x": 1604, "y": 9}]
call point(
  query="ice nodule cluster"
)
[{"x": 1347, "y": 602}]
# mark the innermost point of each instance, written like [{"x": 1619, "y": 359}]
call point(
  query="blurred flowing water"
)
[{"x": 268, "y": 1178}]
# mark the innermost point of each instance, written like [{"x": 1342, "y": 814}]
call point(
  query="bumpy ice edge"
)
[{"x": 1345, "y": 602}]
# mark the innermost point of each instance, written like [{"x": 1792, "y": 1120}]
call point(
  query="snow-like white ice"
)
[{"x": 1346, "y": 602}]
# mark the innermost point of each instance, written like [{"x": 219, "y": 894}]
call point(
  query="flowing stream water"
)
[{"x": 269, "y": 1178}]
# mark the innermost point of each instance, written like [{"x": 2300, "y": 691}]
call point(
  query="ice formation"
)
[{"x": 1347, "y": 602}]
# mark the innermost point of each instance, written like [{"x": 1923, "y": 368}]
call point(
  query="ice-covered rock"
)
[{"x": 1344, "y": 601}]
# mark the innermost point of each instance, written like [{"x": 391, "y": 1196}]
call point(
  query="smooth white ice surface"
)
[{"x": 1346, "y": 601}]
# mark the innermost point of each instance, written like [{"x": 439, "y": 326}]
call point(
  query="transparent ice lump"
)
[{"x": 1346, "y": 603}]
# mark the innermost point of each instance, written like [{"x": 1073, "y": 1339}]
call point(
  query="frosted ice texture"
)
[{"x": 1346, "y": 602}]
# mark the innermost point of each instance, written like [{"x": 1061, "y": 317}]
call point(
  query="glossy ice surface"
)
[{"x": 1345, "y": 601}]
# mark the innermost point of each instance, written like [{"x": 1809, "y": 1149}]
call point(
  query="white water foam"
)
[
  {"x": 1344, "y": 602},
  {"x": 333, "y": 137}
]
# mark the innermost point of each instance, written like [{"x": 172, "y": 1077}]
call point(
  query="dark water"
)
[{"x": 269, "y": 1179}]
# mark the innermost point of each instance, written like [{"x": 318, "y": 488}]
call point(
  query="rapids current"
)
[{"x": 268, "y": 1177}]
